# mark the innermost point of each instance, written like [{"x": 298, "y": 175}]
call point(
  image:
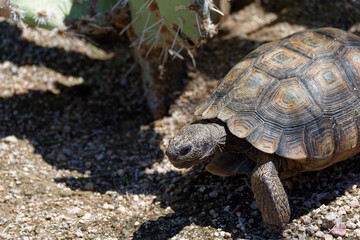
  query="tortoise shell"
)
[{"x": 297, "y": 97}]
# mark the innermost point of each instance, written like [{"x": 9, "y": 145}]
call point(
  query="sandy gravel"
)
[{"x": 81, "y": 158}]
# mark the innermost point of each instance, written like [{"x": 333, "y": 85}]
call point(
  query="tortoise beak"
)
[
  {"x": 171, "y": 154},
  {"x": 174, "y": 154}
]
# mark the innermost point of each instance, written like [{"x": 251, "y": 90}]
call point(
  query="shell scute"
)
[
  {"x": 319, "y": 138},
  {"x": 350, "y": 61},
  {"x": 246, "y": 93},
  {"x": 264, "y": 49},
  {"x": 282, "y": 63},
  {"x": 213, "y": 105},
  {"x": 314, "y": 45},
  {"x": 266, "y": 137},
  {"x": 242, "y": 124},
  {"x": 292, "y": 144},
  {"x": 346, "y": 38}
]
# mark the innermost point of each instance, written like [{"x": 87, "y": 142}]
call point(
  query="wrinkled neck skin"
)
[
  {"x": 223, "y": 140},
  {"x": 218, "y": 132}
]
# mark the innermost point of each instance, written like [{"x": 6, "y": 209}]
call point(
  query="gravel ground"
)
[{"x": 80, "y": 156}]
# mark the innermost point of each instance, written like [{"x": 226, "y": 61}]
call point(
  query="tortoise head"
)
[{"x": 195, "y": 143}]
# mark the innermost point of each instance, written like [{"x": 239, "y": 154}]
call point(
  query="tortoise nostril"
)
[{"x": 185, "y": 150}]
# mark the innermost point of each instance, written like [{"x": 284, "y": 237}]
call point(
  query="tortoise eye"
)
[{"x": 185, "y": 150}]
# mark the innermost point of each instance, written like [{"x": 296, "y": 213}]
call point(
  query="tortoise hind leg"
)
[{"x": 269, "y": 192}]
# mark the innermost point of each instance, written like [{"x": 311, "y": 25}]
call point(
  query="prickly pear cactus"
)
[
  {"x": 81, "y": 16},
  {"x": 159, "y": 30},
  {"x": 163, "y": 23},
  {"x": 163, "y": 29}
]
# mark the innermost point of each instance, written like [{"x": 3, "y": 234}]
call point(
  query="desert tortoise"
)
[{"x": 290, "y": 106}]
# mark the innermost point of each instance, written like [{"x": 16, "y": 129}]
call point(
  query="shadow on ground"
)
[{"x": 103, "y": 130}]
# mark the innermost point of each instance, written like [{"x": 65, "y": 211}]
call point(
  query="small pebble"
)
[
  {"x": 339, "y": 230},
  {"x": 77, "y": 211},
  {"x": 213, "y": 213},
  {"x": 213, "y": 194},
  {"x": 10, "y": 139},
  {"x": 319, "y": 234},
  {"x": 329, "y": 220},
  {"x": 357, "y": 233},
  {"x": 351, "y": 225},
  {"x": 89, "y": 186},
  {"x": 354, "y": 203},
  {"x": 328, "y": 237},
  {"x": 312, "y": 229},
  {"x": 108, "y": 206},
  {"x": 306, "y": 219},
  {"x": 87, "y": 216},
  {"x": 302, "y": 228}
]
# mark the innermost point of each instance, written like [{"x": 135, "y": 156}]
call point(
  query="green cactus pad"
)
[
  {"x": 43, "y": 13},
  {"x": 177, "y": 22}
]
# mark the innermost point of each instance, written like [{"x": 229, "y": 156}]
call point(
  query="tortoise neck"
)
[
  {"x": 218, "y": 135},
  {"x": 221, "y": 139},
  {"x": 224, "y": 140}
]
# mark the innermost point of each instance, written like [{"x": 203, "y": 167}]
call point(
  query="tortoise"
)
[{"x": 289, "y": 106}]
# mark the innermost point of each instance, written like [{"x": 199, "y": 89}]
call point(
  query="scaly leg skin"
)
[{"x": 269, "y": 192}]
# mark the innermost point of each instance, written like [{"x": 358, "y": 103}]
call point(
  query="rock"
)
[
  {"x": 328, "y": 237},
  {"x": 89, "y": 186},
  {"x": 329, "y": 220},
  {"x": 312, "y": 229},
  {"x": 87, "y": 216},
  {"x": 302, "y": 228},
  {"x": 319, "y": 234},
  {"x": 351, "y": 225},
  {"x": 108, "y": 206},
  {"x": 11, "y": 139},
  {"x": 213, "y": 194},
  {"x": 357, "y": 233},
  {"x": 15, "y": 191},
  {"x": 77, "y": 211},
  {"x": 213, "y": 213},
  {"x": 306, "y": 219},
  {"x": 339, "y": 230},
  {"x": 254, "y": 205},
  {"x": 354, "y": 203},
  {"x": 79, "y": 234}
]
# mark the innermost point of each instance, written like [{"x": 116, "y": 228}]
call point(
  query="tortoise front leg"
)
[{"x": 269, "y": 192}]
